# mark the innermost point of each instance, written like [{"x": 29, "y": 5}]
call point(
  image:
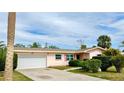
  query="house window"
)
[
  {"x": 58, "y": 56},
  {"x": 69, "y": 57}
]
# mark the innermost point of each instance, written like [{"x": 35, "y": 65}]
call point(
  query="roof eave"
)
[{"x": 37, "y": 51}]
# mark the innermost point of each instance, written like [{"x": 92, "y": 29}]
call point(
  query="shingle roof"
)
[
  {"x": 16, "y": 49},
  {"x": 49, "y": 49}
]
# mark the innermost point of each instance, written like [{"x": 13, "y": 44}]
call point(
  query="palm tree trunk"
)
[{"x": 8, "y": 73}]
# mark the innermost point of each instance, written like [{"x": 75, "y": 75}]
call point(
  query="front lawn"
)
[
  {"x": 16, "y": 76},
  {"x": 109, "y": 75},
  {"x": 61, "y": 67}
]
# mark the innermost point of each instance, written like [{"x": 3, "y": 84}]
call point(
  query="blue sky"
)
[{"x": 64, "y": 29}]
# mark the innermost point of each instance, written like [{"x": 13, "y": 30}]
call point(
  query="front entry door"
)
[{"x": 78, "y": 57}]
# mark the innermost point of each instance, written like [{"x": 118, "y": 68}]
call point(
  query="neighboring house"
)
[{"x": 42, "y": 57}]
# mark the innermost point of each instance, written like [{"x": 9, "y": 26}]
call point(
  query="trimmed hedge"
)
[
  {"x": 3, "y": 58},
  {"x": 84, "y": 65},
  {"x": 91, "y": 65},
  {"x": 94, "y": 65},
  {"x": 74, "y": 63},
  {"x": 106, "y": 63}
]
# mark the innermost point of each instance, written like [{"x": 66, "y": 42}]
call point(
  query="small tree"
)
[
  {"x": 111, "y": 52},
  {"x": 118, "y": 62}
]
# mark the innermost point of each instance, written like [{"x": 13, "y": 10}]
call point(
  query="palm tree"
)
[
  {"x": 104, "y": 41},
  {"x": 2, "y": 44},
  {"x": 8, "y": 73}
]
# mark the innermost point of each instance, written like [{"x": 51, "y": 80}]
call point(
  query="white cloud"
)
[{"x": 63, "y": 30}]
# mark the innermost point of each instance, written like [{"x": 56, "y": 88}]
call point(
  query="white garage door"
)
[{"x": 31, "y": 61}]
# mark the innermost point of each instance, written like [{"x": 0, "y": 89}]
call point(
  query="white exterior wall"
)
[
  {"x": 52, "y": 61},
  {"x": 94, "y": 52}
]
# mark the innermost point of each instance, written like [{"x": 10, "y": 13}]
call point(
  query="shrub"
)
[
  {"x": 94, "y": 65},
  {"x": 74, "y": 63},
  {"x": 118, "y": 62},
  {"x": 84, "y": 65},
  {"x": 106, "y": 63},
  {"x": 85, "y": 59},
  {"x": 3, "y": 58}
]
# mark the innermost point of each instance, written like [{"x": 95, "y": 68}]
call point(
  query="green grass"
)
[
  {"x": 16, "y": 76},
  {"x": 61, "y": 67},
  {"x": 109, "y": 75}
]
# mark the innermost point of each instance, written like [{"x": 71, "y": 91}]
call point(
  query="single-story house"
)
[{"x": 43, "y": 57}]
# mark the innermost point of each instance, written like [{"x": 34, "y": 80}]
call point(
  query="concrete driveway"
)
[{"x": 50, "y": 74}]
